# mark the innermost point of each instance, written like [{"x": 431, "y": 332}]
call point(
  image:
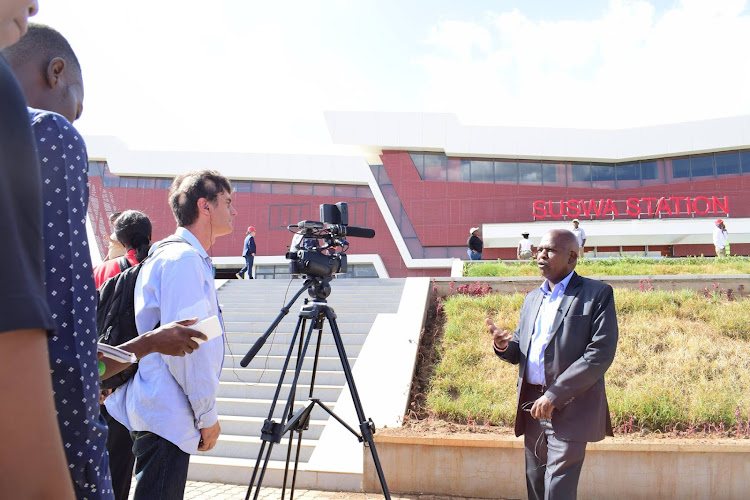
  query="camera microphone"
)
[{"x": 359, "y": 232}]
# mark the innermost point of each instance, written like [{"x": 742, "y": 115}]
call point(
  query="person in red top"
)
[{"x": 133, "y": 230}]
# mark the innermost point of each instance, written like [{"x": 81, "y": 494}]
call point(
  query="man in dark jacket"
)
[
  {"x": 565, "y": 341},
  {"x": 248, "y": 252},
  {"x": 475, "y": 244}
]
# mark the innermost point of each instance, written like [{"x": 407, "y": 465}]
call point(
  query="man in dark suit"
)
[
  {"x": 248, "y": 252},
  {"x": 565, "y": 342}
]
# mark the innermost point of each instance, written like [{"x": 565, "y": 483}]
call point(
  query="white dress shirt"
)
[
  {"x": 172, "y": 396},
  {"x": 544, "y": 319}
]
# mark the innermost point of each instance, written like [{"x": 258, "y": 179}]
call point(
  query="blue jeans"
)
[
  {"x": 474, "y": 256},
  {"x": 248, "y": 267},
  {"x": 160, "y": 467}
]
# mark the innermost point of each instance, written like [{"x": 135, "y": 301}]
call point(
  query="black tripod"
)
[{"x": 316, "y": 312}]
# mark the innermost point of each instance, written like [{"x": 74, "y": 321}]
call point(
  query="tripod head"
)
[{"x": 320, "y": 287}]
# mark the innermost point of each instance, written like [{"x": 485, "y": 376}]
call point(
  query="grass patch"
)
[
  {"x": 624, "y": 266},
  {"x": 683, "y": 361}
]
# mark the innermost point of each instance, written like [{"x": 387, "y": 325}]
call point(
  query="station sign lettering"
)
[{"x": 685, "y": 206}]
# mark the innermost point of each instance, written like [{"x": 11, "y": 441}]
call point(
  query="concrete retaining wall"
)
[
  {"x": 613, "y": 470},
  {"x": 739, "y": 283}
]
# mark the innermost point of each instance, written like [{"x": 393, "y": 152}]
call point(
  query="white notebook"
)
[
  {"x": 116, "y": 353},
  {"x": 210, "y": 327}
]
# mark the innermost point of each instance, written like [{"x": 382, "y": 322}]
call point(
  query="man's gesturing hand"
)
[
  {"x": 175, "y": 339},
  {"x": 209, "y": 436},
  {"x": 500, "y": 339}
]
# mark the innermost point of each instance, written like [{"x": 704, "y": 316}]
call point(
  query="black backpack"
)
[{"x": 115, "y": 314}]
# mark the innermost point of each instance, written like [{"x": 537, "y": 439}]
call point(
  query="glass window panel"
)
[
  {"x": 323, "y": 190},
  {"x": 364, "y": 192},
  {"x": 94, "y": 169},
  {"x": 146, "y": 183},
  {"x": 506, "y": 171},
  {"x": 407, "y": 230},
  {"x": 243, "y": 187},
  {"x": 418, "y": 160},
  {"x": 110, "y": 179},
  {"x": 482, "y": 171},
  {"x": 435, "y": 167},
  {"x": 602, "y": 173},
  {"x": 415, "y": 248},
  {"x": 435, "y": 252},
  {"x": 745, "y": 161},
  {"x": 465, "y": 171},
  {"x": 529, "y": 172},
  {"x": 344, "y": 191},
  {"x": 163, "y": 183},
  {"x": 650, "y": 170},
  {"x": 702, "y": 166},
  {"x": 727, "y": 163},
  {"x": 580, "y": 172},
  {"x": 281, "y": 188},
  {"x": 129, "y": 182},
  {"x": 454, "y": 170},
  {"x": 299, "y": 188},
  {"x": 681, "y": 168},
  {"x": 393, "y": 202},
  {"x": 628, "y": 172},
  {"x": 550, "y": 173},
  {"x": 261, "y": 187}
]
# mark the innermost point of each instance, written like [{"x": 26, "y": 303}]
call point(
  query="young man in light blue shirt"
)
[{"x": 170, "y": 404}]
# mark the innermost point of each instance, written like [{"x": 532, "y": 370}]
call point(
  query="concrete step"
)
[
  {"x": 247, "y": 447},
  {"x": 326, "y": 363},
  {"x": 277, "y": 349},
  {"x": 271, "y": 376},
  {"x": 239, "y": 471},
  {"x": 251, "y": 426},
  {"x": 260, "y": 407},
  {"x": 267, "y": 391},
  {"x": 266, "y": 318},
  {"x": 257, "y": 329},
  {"x": 348, "y": 336}
]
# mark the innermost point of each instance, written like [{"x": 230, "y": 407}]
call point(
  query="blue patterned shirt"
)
[{"x": 72, "y": 298}]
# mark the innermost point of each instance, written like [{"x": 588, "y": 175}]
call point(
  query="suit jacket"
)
[
  {"x": 249, "y": 245},
  {"x": 582, "y": 346}
]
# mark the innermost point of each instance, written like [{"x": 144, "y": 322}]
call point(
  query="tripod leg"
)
[
  {"x": 364, "y": 424},
  {"x": 271, "y": 430}
]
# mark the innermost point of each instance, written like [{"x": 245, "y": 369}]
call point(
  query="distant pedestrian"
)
[
  {"x": 721, "y": 239},
  {"x": 525, "y": 250},
  {"x": 248, "y": 252},
  {"x": 475, "y": 244},
  {"x": 580, "y": 236}
]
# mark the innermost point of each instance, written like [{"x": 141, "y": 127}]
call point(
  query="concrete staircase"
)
[{"x": 245, "y": 394}]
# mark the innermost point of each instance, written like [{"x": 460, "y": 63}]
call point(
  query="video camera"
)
[{"x": 319, "y": 248}]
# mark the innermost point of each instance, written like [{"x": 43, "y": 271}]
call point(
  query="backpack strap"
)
[{"x": 124, "y": 263}]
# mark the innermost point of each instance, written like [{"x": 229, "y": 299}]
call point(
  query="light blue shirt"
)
[
  {"x": 547, "y": 313},
  {"x": 172, "y": 396}
]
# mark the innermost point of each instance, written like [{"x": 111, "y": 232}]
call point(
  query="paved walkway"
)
[{"x": 196, "y": 490}]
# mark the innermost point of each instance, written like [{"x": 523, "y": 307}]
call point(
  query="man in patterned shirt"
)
[{"x": 71, "y": 293}]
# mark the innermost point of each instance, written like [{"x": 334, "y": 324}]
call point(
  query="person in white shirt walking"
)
[
  {"x": 170, "y": 404},
  {"x": 580, "y": 236},
  {"x": 721, "y": 238}
]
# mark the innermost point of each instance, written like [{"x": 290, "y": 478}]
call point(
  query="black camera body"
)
[{"x": 318, "y": 248}]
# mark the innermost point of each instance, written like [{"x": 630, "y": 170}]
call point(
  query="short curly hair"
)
[{"x": 188, "y": 188}]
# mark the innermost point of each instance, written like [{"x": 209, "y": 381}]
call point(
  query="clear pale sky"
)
[{"x": 245, "y": 75}]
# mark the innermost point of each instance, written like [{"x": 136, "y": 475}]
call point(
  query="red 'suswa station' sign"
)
[{"x": 632, "y": 207}]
